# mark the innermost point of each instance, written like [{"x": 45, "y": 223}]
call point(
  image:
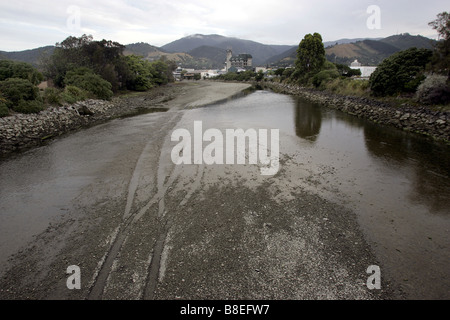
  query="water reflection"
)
[
  {"x": 428, "y": 161},
  {"x": 308, "y": 119}
]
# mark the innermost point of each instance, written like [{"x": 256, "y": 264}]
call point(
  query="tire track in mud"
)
[
  {"x": 154, "y": 271},
  {"x": 119, "y": 236},
  {"x": 166, "y": 177}
]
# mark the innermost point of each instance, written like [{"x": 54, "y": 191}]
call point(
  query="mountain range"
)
[
  {"x": 369, "y": 52},
  {"x": 209, "y": 51}
]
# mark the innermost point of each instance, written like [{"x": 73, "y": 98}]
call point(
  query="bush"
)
[
  {"x": 346, "y": 86},
  {"x": 400, "y": 73},
  {"x": 21, "y": 70},
  {"x": 85, "y": 79},
  {"x": 29, "y": 106},
  {"x": 434, "y": 90},
  {"x": 324, "y": 76},
  {"x": 4, "y": 111},
  {"x": 14, "y": 90},
  {"x": 140, "y": 83},
  {"x": 52, "y": 96},
  {"x": 72, "y": 94}
]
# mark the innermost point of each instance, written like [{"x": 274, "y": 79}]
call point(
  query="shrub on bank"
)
[
  {"x": 349, "y": 87},
  {"x": 72, "y": 94},
  {"x": 324, "y": 76},
  {"x": 400, "y": 73},
  {"x": 29, "y": 106},
  {"x": 4, "y": 111},
  {"x": 434, "y": 90},
  {"x": 52, "y": 96},
  {"x": 21, "y": 70},
  {"x": 85, "y": 79},
  {"x": 15, "y": 90}
]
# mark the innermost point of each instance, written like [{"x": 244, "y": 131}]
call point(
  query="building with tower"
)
[{"x": 241, "y": 61}]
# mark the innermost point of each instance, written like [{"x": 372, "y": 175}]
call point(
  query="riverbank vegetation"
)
[
  {"x": 79, "y": 69},
  {"x": 413, "y": 76}
]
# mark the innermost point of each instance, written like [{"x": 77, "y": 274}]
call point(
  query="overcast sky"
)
[{"x": 28, "y": 24}]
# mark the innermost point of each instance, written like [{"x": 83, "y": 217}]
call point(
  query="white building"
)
[
  {"x": 366, "y": 72},
  {"x": 264, "y": 70},
  {"x": 355, "y": 63},
  {"x": 207, "y": 74}
]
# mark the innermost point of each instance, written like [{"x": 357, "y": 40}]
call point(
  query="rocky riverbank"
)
[
  {"x": 420, "y": 120},
  {"x": 19, "y": 132}
]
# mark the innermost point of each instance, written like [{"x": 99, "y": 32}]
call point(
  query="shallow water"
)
[{"x": 397, "y": 183}]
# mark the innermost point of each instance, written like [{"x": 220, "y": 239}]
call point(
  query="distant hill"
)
[
  {"x": 192, "y": 42},
  {"x": 141, "y": 49},
  {"x": 405, "y": 41},
  {"x": 284, "y": 59},
  {"x": 149, "y": 52},
  {"x": 152, "y": 53},
  {"x": 260, "y": 52},
  {"x": 209, "y": 51},
  {"x": 369, "y": 52},
  {"x": 344, "y": 41},
  {"x": 216, "y": 55},
  {"x": 32, "y": 56}
]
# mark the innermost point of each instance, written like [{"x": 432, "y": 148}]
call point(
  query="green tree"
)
[
  {"x": 259, "y": 76},
  {"x": 145, "y": 74},
  {"x": 441, "y": 57},
  {"x": 159, "y": 71},
  {"x": 141, "y": 78},
  {"x": 279, "y": 72},
  {"x": 400, "y": 73},
  {"x": 104, "y": 58},
  {"x": 246, "y": 75},
  {"x": 310, "y": 57}
]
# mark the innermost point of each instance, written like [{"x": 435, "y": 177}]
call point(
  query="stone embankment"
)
[
  {"x": 19, "y": 132},
  {"x": 420, "y": 120}
]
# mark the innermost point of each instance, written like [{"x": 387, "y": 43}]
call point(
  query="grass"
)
[
  {"x": 361, "y": 88},
  {"x": 348, "y": 87}
]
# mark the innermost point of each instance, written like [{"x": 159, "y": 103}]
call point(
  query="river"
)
[{"x": 397, "y": 183}]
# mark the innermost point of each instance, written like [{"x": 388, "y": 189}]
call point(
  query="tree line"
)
[
  {"x": 79, "y": 68},
  {"x": 420, "y": 73},
  {"x": 414, "y": 73}
]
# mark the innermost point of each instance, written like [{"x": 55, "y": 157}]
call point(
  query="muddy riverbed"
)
[{"x": 348, "y": 194}]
